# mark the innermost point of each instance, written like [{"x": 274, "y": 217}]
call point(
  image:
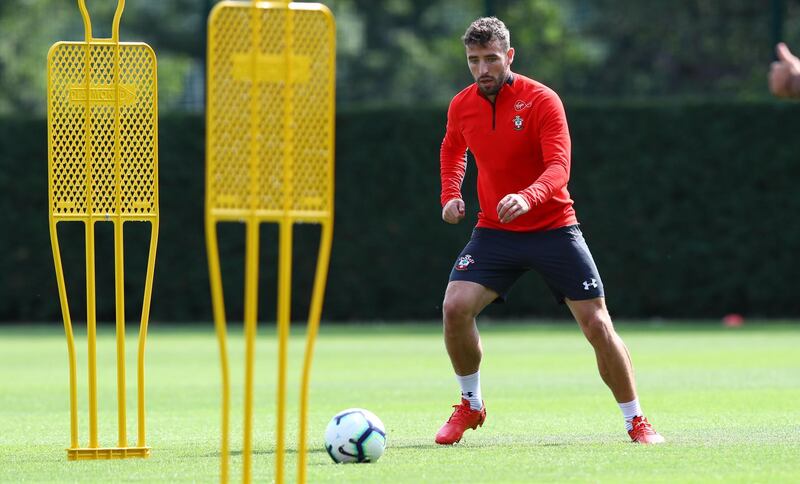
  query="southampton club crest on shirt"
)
[
  {"x": 517, "y": 122},
  {"x": 463, "y": 262}
]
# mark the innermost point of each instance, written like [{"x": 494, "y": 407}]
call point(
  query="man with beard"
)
[{"x": 517, "y": 131}]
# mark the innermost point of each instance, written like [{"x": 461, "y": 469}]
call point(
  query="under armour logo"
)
[
  {"x": 468, "y": 394},
  {"x": 588, "y": 284}
]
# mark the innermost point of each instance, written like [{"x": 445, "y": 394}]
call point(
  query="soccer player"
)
[{"x": 517, "y": 131}]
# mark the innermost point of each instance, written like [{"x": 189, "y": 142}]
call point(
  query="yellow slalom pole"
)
[
  {"x": 314, "y": 315},
  {"x": 148, "y": 294},
  {"x": 91, "y": 331},
  {"x": 318, "y": 294},
  {"x": 250, "y": 316},
  {"x": 119, "y": 254},
  {"x": 284, "y": 315},
  {"x": 285, "y": 247},
  {"x": 218, "y": 306},
  {"x": 73, "y": 364},
  {"x": 91, "y": 316},
  {"x": 251, "y": 252},
  {"x": 151, "y": 267},
  {"x": 119, "y": 288}
]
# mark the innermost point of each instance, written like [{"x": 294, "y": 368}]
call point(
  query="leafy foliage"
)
[{"x": 403, "y": 51}]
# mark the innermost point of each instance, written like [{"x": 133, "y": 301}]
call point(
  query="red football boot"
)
[
  {"x": 643, "y": 433},
  {"x": 463, "y": 418}
]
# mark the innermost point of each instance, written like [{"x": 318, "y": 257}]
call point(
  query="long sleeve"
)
[
  {"x": 556, "y": 146},
  {"x": 452, "y": 159},
  {"x": 520, "y": 144}
]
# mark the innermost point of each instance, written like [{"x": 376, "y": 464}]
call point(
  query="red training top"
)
[{"x": 521, "y": 145}]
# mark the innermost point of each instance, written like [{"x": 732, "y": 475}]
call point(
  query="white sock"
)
[
  {"x": 471, "y": 389},
  {"x": 629, "y": 410}
]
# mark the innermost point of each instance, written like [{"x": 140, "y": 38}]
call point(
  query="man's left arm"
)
[
  {"x": 556, "y": 146},
  {"x": 555, "y": 142}
]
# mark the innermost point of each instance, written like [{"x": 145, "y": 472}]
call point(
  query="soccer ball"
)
[{"x": 355, "y": 435}]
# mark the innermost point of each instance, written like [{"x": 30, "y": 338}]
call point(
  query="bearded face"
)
[{"x": 490, "y": 65}]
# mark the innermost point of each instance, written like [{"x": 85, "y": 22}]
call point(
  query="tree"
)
[
  {"x": 682, "y": 47},
  {"x": 409, "y": 51}
]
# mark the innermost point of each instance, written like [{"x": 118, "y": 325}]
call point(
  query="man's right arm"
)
[{"x": 453, "y": 166}]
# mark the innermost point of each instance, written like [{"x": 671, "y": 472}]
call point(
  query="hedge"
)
[{"x": 689, "y": 210}]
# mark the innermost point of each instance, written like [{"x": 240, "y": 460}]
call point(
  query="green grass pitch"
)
[{"x": 727, "y": 400}]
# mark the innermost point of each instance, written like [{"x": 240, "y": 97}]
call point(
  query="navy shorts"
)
[{"x": 497, "y": 258}]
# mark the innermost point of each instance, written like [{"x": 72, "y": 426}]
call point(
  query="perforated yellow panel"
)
[
  {"x": 118, "y": 176},
  {"x": 269, "y": 158},
  {"x": 257, "y": 165},
  {"x": 103, "y": 166}
]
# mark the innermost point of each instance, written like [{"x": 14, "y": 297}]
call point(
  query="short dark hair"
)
[{"x": 485, "y": 30}]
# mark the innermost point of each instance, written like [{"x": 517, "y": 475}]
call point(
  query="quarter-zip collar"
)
[{"x": 509, "y": 82}]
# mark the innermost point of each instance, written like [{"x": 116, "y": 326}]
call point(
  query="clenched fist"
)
[{"x": 453, "y": 211}]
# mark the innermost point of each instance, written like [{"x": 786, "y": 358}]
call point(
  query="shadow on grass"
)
[
  {"x": 464, "y": 445},
  {"x": 320, "y": 450},
  {"x": 238, "y": 453}
]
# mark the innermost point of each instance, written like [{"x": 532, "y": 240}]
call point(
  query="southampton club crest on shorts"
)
[
  {"x": 518, "y": 122},
  {"x": 463, "y": 262}
]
